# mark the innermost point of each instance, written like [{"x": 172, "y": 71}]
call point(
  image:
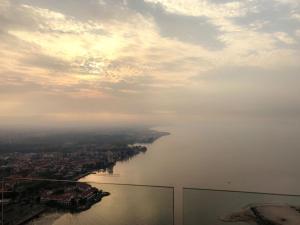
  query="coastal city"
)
[
  {"x": 64, "y": 166},
  {"x": 40, "y": 181}
]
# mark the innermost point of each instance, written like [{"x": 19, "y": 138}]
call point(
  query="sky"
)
[{"x": 147, "y": 61}]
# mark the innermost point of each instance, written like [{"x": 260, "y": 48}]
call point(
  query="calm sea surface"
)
[{"x": 251, "y": 155}]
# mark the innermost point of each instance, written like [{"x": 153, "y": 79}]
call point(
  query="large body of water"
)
[{"x": 251, "y": 155}]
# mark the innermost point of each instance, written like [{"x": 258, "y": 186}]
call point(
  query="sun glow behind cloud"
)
[
  {"x": 75, "y": 42},
  {"x": 136, "y": 58}
]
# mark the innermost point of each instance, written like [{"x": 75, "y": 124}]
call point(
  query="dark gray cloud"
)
[
  {"x": 274, "y": 17},
  {"x": 195, "y": 30},
  {"x": 15, "y": 17},
  {"x": 192, "y": 29}
]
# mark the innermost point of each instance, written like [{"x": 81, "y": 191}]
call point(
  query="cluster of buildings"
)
[
  {"x": 26, "y": 168},
  {"x": 27, "y": 189},
  {"x": 26, "y": 199},
  {"x": 76, "y": 196},
  {"x": 63, "y": 165}
]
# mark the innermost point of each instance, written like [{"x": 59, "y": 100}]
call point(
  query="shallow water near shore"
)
[
  {"x": 125, "y": 205},
  {"x": 47, "y": 218}
]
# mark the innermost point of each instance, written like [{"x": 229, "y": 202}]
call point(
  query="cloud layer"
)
[{"x": 147, "y": 60}]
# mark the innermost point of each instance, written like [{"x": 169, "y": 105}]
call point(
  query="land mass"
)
[{"x": 31, "y": 163}]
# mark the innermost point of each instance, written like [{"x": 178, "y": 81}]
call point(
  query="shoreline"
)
[
  {"x": 137, "y": 144},
  {"x": 84, "y": 175},
  {"x": 48, "y": 217},
  {"x": 139, "y": 148},
  {"x": 32, "y": 216}
]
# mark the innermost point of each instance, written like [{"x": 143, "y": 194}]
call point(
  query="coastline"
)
[
  {"x": 55, "y": 214},
  {"x": 32, "y": 216},
  {"x": 48, "y": 217},
  {"x": 142, "y": 146},
  {"x": 84, "y": 175}
]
